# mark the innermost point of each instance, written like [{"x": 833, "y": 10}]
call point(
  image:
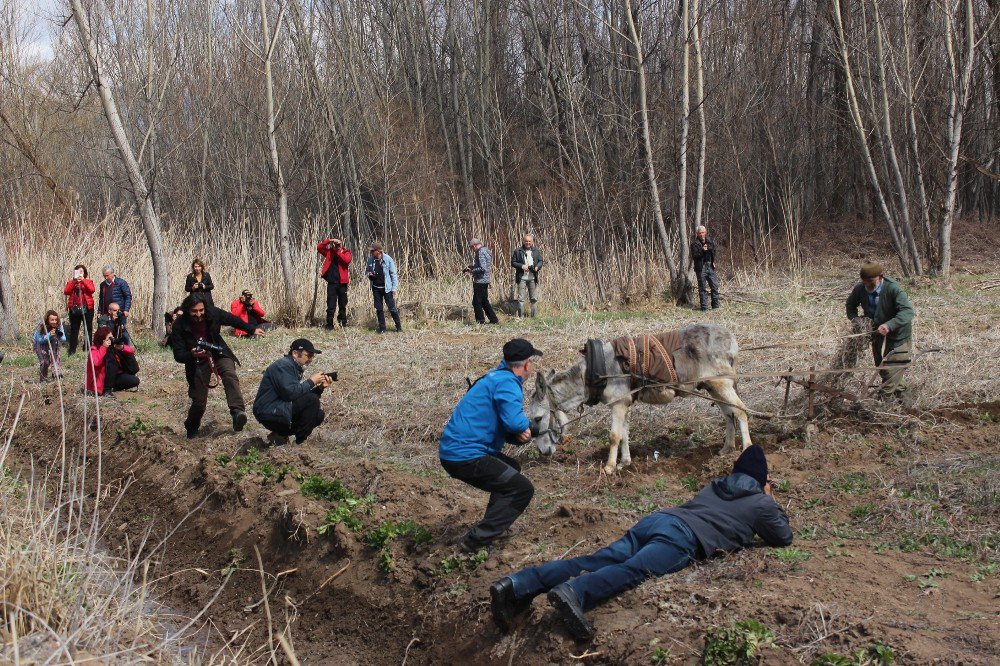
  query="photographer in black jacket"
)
[
  {"x": 285, "y": 404},
  {"x": 199, "y": 345}
]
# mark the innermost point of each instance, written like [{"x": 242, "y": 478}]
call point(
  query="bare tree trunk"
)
[
  {"x": 9, "y": 330},
  {"x": 699, "y": 65},
  {"x": 676, "y": 273},
  {"x": 290, "y": 307},
  {"x": 150, "y": 221},
  {"x": 959, "y": 99}
]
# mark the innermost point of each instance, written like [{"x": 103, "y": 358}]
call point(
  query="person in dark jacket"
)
[
  {"x": 703, "y": 256},
  {"x": 113, "y": 289},
  {"x": 285, "y": 404},
  {"x": 527, "y": 262},
  {"x": 203, "y": 323},
  {"x": 481, "y": 269},
  {"x": 79, "y": 293},
  {"x": 381, "y": 271},
  {"x": 489, "y": 415},
  {"x": 199, "y": 281},
  {"x": 116, "y": 322},
  {"x": 336, "y": 259},
  {"x": 891, "y": 312},
  {"x": 722, "y": 518}
]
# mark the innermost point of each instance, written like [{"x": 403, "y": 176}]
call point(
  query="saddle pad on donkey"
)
[{"x": 649, "y": 357}]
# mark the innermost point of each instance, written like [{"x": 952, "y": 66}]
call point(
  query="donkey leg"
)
[
  {"x": 734, "y": 411},
  {"x": 626, "y": 457},
  {"x": 619, "y": 412}
]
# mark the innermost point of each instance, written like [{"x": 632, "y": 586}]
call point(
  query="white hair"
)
[
  {"x": 107, "y": 269},
  {"x": 701, "y": 227},
  {"x": 474, "y": 241}
]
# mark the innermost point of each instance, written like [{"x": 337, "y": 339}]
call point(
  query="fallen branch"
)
[
  {"x": 586, "y": 655},
  {"x": 335, "y": 574},
  {"x": 406, "y": 653}
]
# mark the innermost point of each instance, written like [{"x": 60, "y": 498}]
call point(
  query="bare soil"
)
[{"x": 896, "y": 515}]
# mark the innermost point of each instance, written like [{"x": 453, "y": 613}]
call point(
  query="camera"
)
[
  {"x": 77, "y": 310},
  {"x": 204, "y": 345},
  {"x": 118, "y": 340},
  {"x": 331, "y": 375}
]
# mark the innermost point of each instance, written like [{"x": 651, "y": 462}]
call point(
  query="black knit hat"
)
[{"x": 752, "y": 463}]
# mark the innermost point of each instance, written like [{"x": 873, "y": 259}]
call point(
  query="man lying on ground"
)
[{"x": 722, "y": 518}]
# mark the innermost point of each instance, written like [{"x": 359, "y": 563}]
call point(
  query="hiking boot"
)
[
  {"x": 274, "y": 439},
  {"x": 191, "y": 432},
  {"x": 239, "y": 420},
  {"x": 505, "y": 604},
  {"x": 470, "y": 547},
  {"x": 567, "y": 605}
]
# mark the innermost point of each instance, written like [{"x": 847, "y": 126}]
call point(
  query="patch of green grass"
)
[
  {"x": 342, "y": 513},
  {"x": 807, "y": 532},
  {"x": 223, "y": 459},
  {"x": 454, "y": 563},
  {"x": 659, "y": 656},
  {"x": 736, "y": 644},
  {"x": 863, "y": 511},
  {"x": 638, "y": 504},
  {"x": 851, "y": 482},
  {"x": 791, "y": 555},
  {"x": 319, "y": 488},
  {"x": 22, "y": 361},
  {"x": 877, "y": 654},
  {"x": 388, "y": 531},
  {"x": 984, "y": 572},
  {"x": 691, "y": 483},
  {"x": 138, "y": 428}
]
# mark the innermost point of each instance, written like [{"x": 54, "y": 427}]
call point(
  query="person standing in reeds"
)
[
  {"x": 481, "y": 268},
  {"x": 527, "y": 262},
  {"x": 381, "y": 271},
  {"x": 199, "y": 281},
  {"x": 79, "y": 292},
  {"x": 703, "y": 256},
  {"x": 48, "y": 339},
  {"x": 336, "y": 260},
  {"x": 110, "y": 367}
]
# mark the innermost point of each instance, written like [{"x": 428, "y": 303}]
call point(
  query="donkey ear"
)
[
  {"x": 552, "y": 373},
  {"x": 539, "y": 381}
]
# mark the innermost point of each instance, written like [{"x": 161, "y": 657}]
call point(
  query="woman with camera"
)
[
  {"x": 48, "y": 338},
  {"x": 112, "y": 365},
  {"x": 80, "y": 302},
  {"x": 200, "y": 282}
]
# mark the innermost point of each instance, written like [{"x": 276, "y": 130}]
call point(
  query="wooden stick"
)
[{"x": 337, "y": 573}]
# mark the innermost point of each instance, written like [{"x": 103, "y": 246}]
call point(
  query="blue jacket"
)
[
  {"x": 117, "y": 292},
  {"x": 389, "y": 267},
  {"x": 282, "y": 383},
  {"x": 491, "y": 410},
  {"x": 42, "y": 340}
]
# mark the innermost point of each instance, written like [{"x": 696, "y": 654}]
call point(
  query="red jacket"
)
[
  {"x": 238, "y": 309},
  {"x": 343, "y": 256},
  {"x": 87, "y": 290},
  {"x": 96, "y": 368}
]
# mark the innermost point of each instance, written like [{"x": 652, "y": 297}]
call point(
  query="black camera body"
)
[
  {"x": 331, "y": 375},
  {"x": 77, "y": 310},
  {"x": 118, "y": 340},
  {"x": 204, "y": 345}
]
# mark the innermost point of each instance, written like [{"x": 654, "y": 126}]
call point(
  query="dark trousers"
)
[
  {"x": 481, "y": 303},
  {"x": 198, "y": 377},
  {"x": 336, "y": 298},
  {"x": 306, "y": 416},
  {"x": 707, "y": 279},
  {"x": 75, "y": 320},
  {"x": 115, "y": 379},
  {"x": 658, "y": 544},
  {"x": 510, "y": 492},
  {"x": 379, "y": 295}
]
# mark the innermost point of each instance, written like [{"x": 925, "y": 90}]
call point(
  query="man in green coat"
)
[{"x": 885, "y": 302}]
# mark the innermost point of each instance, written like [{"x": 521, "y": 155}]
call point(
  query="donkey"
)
[{"x": 704, "y": 361}]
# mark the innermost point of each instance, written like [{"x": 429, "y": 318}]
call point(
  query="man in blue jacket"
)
[
  {"x": 285, "y": 404},
  {"x": 114, "y": 290},
  {"x": 381, "y": 272},
  {"x": 490, "y": 414},
  {"x": 722, "y": 518}
]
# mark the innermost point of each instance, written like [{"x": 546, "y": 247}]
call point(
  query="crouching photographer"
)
[
  {"x": 285, "y": 404},
  {"x": 198, "y": 344}
]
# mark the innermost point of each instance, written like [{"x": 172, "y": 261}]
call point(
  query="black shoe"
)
[
  {"x": 380, "y": 331},
  {"x": 567, "y": 604},
  {"x": 328, "y": 326},
  {"x": 191, "y": 432},
  {"x": 239, "y": 420},
  {"x": 505, "y": 604},
  {"x": 467, "y": 545}
]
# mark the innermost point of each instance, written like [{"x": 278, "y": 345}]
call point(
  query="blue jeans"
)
[{"x": 658, "y": 544}]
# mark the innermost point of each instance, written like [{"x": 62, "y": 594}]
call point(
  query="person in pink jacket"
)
[
  {"x": 336, "y": 259},
  {"x": 110, "y": 367}
]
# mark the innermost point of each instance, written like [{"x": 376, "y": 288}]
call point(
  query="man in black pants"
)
[
  {"x": 336, "y": 260},
  {"x": 491, "y": 414},
  {"x": 285, "y": 404},
  {"x": 201, "y": 323},
  {"x": 703, "y": 256},
  {"x": 480, "y": 268}
]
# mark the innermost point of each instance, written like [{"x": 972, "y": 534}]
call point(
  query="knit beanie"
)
[
  {"x": 752, "y": 463},
  {"x": 870, "y": 270}
]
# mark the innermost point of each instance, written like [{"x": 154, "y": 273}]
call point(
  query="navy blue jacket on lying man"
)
[{"x": 723, "y": 517}]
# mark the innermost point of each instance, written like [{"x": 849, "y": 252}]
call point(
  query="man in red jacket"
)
[{"x": 336, "y": 260}]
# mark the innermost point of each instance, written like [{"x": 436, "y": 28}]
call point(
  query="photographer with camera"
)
[
  {"x": 198, "y": 344},
  {"x": 113, "y": 289},
  {"x": 116, "y": 322},
  {"x": 79, "y": 292},
  {"x": 336, "y": 260},
  {"x": 199, "y": 281},
  {"x": 381, "y": 271},
  {"x": 112, "y": 365},
  {"x": 285, "y": 404},
  {"x": 249, "y": 309},
  {"x": 48, "y": 339}
]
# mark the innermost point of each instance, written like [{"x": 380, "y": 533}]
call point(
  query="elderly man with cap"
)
[
  {"x": 722, "y": 518},
  {"x": 285, "y": 404},
  {"x": 489, "y": 415},
  {"x": 891, "y": 312}
]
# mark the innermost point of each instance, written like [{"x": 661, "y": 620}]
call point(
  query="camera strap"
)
[{"x": 213, "y": 372}]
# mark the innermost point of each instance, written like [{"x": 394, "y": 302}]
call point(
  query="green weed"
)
[
  {"x": 985, "y": 571},
  {"x": 851, "y": 482},
  {"x": 736, "y": 644},
  {"x": 659, "y": 656},
  {"x": 236, "y": 560},
  {"x": 862, "y": 511},
  {"x": 454, "y": 563},
  {"x": 319, "y": 488},
  {"x": 791, "y": 555},
  {"x": 691, "y": 483},
  {"x": 878, "y": 654}
]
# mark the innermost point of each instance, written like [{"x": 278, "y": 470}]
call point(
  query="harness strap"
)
[{"x": 667, "y": 358}]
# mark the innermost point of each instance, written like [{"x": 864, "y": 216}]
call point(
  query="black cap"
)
[
  {"x": 752, "y": 463},
  {"x": 247, "y": 293},
  {"x": 303, "y": 345},
  {"x": 519, "y": 349}
]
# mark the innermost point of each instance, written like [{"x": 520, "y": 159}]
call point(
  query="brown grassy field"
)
[{"x": 895, "y": 512}]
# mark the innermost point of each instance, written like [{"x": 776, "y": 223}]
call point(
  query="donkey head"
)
[{"x": 544, "y": 414}]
